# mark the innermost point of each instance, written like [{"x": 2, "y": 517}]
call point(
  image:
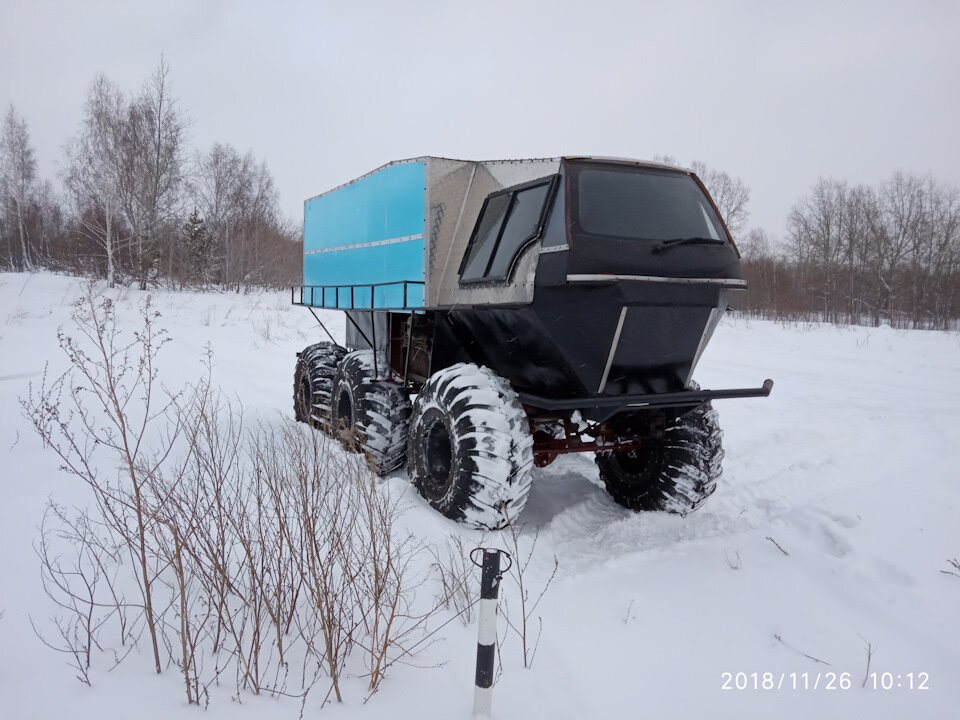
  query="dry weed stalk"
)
[
  {"x": 83, "y": 585},
  {"x": 459, "y": 591},
  {"x": 528, "y": 604}
]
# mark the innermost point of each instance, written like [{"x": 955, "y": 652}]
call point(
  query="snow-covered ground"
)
[{"x": 851, "y": 467}]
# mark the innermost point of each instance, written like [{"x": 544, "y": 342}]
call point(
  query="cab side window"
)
[{"x": 508, "y": 222}]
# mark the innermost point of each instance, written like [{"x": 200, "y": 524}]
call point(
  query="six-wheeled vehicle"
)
[{"x": 502, "y": 313}]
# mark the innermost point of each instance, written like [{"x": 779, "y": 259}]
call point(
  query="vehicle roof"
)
[
  {"x": 509, "y": 161},
  {"x": 624, "y": 161},
  {"x": 576, "y": 158}
]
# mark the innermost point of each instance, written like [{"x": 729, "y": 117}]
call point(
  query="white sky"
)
[{"x": 777, "y": 93}]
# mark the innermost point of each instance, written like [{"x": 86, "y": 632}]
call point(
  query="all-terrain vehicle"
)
[{"x": 501, "y": 313}]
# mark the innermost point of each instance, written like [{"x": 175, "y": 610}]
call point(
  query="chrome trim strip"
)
[
  {"x": 554, "y": 249},
  {"x": 613, "y": 349},
  {"x": 358, "y": 246},
  {"x": 723, "y": 282}
]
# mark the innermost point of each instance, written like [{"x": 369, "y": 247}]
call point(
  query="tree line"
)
[
  {"x": 869, "y": 255},
  {"x": 853, "y": 254},
  {"x": 137, "y": 206}
]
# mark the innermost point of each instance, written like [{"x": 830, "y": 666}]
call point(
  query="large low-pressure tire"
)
[
  {"x": 470, "y": 452},
  {"x": 312, "y": 381},
  {"x": 676, "y": 473},
  {"x": 368, "y": 414}
]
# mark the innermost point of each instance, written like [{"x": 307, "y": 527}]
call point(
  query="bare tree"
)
[
  {"x": 130, "y": 192},
  {"x": 730, "y": 194},
  {"x": 125, "y": 168},
  {"x": 151, "y": 168},
  {"x": 816, "y": 227},
  {"x": 865, "y": 254},
  {"x": 236, "y": 197},
  {"x": 46, "y": 222},
  {"x": 18, "y": 174},
  {"x": 94, "y": 177}
]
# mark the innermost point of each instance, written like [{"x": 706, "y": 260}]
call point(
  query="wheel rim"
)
[
  {"x": 638, "y": 468},
  {"x": 437, "y": 454},
  {"x": 634, "y": 462}
]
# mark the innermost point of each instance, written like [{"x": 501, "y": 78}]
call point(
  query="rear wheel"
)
[
  {"x": 368, "y": 414},
  {"x": 312, "y": 381},
  {"x": 470, "y": 452},
  {"x": 676, "y": 473}
]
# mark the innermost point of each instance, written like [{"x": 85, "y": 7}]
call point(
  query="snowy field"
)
[{"x": 830, "y": 531}]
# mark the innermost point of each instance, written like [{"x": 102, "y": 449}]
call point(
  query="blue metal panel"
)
[
  {"x": 371, "y": 266},
  {"x": 366, "y": 233}
]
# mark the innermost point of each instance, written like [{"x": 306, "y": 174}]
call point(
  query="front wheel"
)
[
  {"x": 675, "y": 473},
  {"x": 470, "y": 453}
]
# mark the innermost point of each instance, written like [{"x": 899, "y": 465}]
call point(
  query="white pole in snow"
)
[{"x": 487, "y": 632}]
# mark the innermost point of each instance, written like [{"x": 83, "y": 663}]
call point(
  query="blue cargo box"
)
[
  {"x": 363, "y": 242},
  {"x": 393, "y": 238}
]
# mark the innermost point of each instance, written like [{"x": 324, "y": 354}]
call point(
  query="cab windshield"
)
[{"x": 643, "y": 203}]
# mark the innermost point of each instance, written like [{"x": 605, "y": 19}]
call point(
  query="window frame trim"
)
[{"x": 552, "y": 182}]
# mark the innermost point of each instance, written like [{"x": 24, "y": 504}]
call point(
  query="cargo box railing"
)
[
  {"x": 361, "y": 297},
  {"x": 398, "y": 295}
]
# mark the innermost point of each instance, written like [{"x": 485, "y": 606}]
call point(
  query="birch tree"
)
[
  {"x": 18, "y": 176},
  {"x": 94, "y": 177},
  {"x": 152, "y": 137}
]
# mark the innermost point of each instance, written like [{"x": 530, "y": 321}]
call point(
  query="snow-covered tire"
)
[
  {"x": 675, "y": 474},
  {"x": 470, "y": 452},
  {"x": 312, "y": 381},
  {"x": 368, "y": 414}
]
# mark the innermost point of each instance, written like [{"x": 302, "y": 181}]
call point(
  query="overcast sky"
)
[{"x": 777, "y": 93}]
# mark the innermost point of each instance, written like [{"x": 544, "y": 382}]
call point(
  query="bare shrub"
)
[
  {"x": 251, "y": 551},
  {"x": 322, "y": 532},
  {"x": 78, "y": 571},
  {"x": 109, "y": 403},
  {"x": 356, "y": 569},
  {"x": 455, "y": 571},
  {"x": 529, "y": 603},
  {"x": 385, "y": 586}
]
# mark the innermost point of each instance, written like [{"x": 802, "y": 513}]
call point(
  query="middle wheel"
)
[
  {"x": 470, "y": 453},
  {"x": 369, "y": 414}
]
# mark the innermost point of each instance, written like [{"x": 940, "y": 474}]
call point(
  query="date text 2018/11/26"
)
[{"x": 822, "y": 681}]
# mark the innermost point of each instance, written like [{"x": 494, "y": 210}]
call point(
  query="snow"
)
[{"x": 850, "y": 467}]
